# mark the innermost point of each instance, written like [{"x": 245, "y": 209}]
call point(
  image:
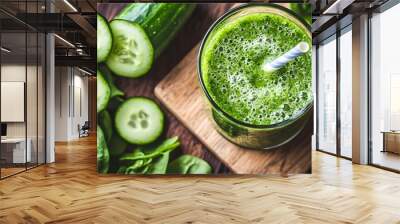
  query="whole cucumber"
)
[{"x": 161, "y": 21}]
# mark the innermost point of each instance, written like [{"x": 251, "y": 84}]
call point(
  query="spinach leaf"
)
[
  {"x": 114, "y": 103},
  {"x": 150, "y": 166},
  {"x": 136, "y": 165},
  {"x": 150, "y": 151},
  {"x": 150, "y": 159},
  {"x": 115, "y": 91},
  {"x": 188, "y": 164},
  {"x": 105, "y": 123},
  {"x": 121, "y": 170},
  {"x": 103, "y": 156},
  {"x": 116, "y": 145},
  {"x": 159, "y": 166}
]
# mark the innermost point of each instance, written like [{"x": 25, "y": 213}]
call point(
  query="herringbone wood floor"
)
[{"x": 70, "y": 191}]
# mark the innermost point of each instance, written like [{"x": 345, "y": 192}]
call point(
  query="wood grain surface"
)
[
  {"x": 185, "y": 40},
  {"x": 181, "y": 93}
]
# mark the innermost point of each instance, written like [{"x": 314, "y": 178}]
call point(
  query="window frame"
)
[
  {"x": 380, "y": 9},
  {"x": 338, "y": 33}
]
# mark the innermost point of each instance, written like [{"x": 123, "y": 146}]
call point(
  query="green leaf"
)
[
  {"x": 139, "y": 167},
  {"x": 159, "y": 166},
  {"x": 114, "y": 103},
  {"x": 116, "y": 145},
  {"x": 115, "y": 91},
  {"x": 121, "y": 169},
  {"x": 103, "y": 156},
  {"x": 188, "y": 164},
  {"x": 150, "y": 151},
  {"x": 105, "y": 123},
  {"x": 303, "y": 10},
  {"x": 135, "y": 165}
]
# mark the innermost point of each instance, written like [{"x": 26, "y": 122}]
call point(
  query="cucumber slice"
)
[
  {"x": 139, "y": 120},
  {"x": 132, "y": 53},
  {"x": 103, "y": 92},
  {"x": 104, "y": 39}
]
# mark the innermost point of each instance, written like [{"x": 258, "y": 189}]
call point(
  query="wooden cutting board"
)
[{"x": 181, "y": 93}]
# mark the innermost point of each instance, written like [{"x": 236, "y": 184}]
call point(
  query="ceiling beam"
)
[
  {"x": 320, "y": 23},
  {"x": 81, "y": 61},
  {"x": 86, "y": 27},
  {"x": 337, "y": 7}
]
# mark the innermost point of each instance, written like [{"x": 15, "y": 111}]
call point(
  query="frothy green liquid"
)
[{"x": 231, "y": 67}]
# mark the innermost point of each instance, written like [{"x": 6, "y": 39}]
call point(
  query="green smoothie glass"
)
[{"x": 251, "y": 107}]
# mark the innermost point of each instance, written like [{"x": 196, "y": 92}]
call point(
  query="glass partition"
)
[
  {"x": 22, "y": 88},
  {"x": 15, "y": 151},
  {"x": 32, "y": 87}
]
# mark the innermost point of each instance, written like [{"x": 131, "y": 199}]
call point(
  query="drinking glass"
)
[{"x": 241, "y": 133}]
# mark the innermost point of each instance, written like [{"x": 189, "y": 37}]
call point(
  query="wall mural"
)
[{"x": 215, "y": 88}]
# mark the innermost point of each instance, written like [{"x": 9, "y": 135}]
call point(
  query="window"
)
[
  {"x": 346, "y": 92},
  {"x": 326, "y": 137},
  {"x": 385, "y": 89}
]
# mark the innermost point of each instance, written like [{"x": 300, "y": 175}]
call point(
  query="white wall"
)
[
  {"x": 71, "y": 94},
  {"x": 62, "y": 81}
]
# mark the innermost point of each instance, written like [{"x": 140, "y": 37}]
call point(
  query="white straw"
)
[{"x": 278, "y": 63}]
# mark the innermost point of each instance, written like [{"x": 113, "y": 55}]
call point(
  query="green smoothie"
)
[{"x": 231, "y": 69}]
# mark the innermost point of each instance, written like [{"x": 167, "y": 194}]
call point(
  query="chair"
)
[{"x": 84, "y": 130}]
